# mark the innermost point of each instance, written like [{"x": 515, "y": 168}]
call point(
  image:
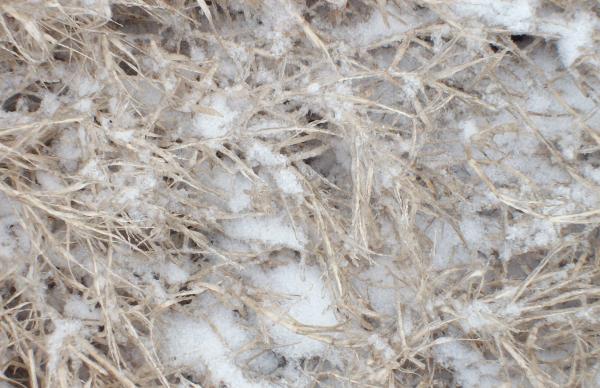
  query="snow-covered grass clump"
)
[{"x": 298, "y": 193}]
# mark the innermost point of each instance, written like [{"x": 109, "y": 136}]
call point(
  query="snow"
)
[
  {"x": 91, "y": 170},
  {"x": 86, "y": 85},
  {"x": 48, "y": 181},
  {"x": 239, "y": 199},
  {"x": 517, "y": 15},
  {"x": 477, "y": 315},
  {"x": 195, "y": 343},
  {"x": 14, "y": 241},
  {"x": 313, "y": 88},
  {"x": 218, "y": 122},
  {"x": 469, "y": 129},
  {"x": 375, "y": 28},
  {"x": 263, "y": 155},
  {"x": 67, "y": 148},
  {"x": 310, "y": 302},
  {"x": 174, "y": 274},
  {"x": 269, "y": 230},
  {"x": 447, "y": 244},
  {"x": 535, "y": 234},
  {"x": 304, "y": 298},
  {"x": 236, "y": 188},
  {"x": 377, "y": 284},
  {"x": 576, "y": 36},
  {"x": 56, "y": 342},
  {"x": 285, "y": 177},
  {"x": 472, "y": 369},
  {"x": 288, "y": 182},
  {"x": 192, "y": 177},
  {"x": 380, "y": 345},
  {"x": 124, "y": 136},
  {"x": 50, "y": 104},
  {"x": 78, "y": 308},
  {"x": 84, "y": 105},
  {"x": 7, "y": 206}
]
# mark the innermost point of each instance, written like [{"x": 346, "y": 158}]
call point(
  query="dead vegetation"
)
[{"x": 102, "y": 183}]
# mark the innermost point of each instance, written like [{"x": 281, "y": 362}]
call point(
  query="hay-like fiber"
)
[{"x": 452, "y": 220}]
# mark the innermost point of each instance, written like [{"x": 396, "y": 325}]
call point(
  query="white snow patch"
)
[
  {"x": 48, "y": 181},
  {"x": 531, "y": 234},
  {"x": 377, "y": 283},
  {"x": 7, "y": 206},
  {"x": 211, "y": 126},
  {"x": 306, "y": 299},
  {"x": 477, "y": 315},
  {"x": 173, "y": 273},
  {"x": 313, "y": 88},
  {"x": 375, "y": 29},
  {"x": 124, "y": 136},
  {"x": 448, "y": 248},
  {"x": 14, "y": 241},
  {"x": 288, "y": 182},
  {"x": 68, "y": 150},
  {"x": 470, "y": 367},
  {"x": 235, "y": 188},
  {"x": 516, "y": 15},
  {"x": 193, "y": 343},
  {"x": 263, "y": 155},
  {"x": 382, "y": 347},
  {"x": 64, "y": 328},
  {"x": 91, "y": 170},
  {"x": 84, "y": 105},
  {"x": 469, "y": 129},
  {"x": 50, "y": 104},
  {"x": 86, "y": 86},
  {"x": 78, "y": 308},
  {"x": 576, "y": 36},
  {"x": 270, "y": 230}
]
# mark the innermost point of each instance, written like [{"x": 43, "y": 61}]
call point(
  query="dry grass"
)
[{"x": 140, "y": 53}]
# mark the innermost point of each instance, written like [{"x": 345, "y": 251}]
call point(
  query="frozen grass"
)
[{"x": 299, "y": 193}]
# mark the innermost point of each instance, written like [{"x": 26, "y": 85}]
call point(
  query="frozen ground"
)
[{"x": 287, "y": 193}]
